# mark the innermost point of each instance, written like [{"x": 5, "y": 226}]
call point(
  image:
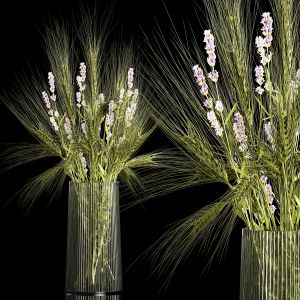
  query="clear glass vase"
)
[
  {"x": 270, "y": 265},
  {"x": 93, "y": 267}
]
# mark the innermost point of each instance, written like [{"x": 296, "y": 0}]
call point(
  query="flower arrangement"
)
[
  {"x": 89, "y": 114},
  {"x": 237, "y": 121}
]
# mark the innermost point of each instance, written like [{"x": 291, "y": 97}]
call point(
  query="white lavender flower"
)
[
  {"x": 259, "y": 74},
  {"x": 272, "y": 208},
  {"x": 121, "y": 139},
  {"x": 298, "y": 75},
  {"x": 259, "y": 78},
  {"x": 101, "y": 97},
  {"x": 110, "y": 116},
  {"x": 130, "y": 78},
  {"x": 208, "y": 103},
  {"x": 46, "y": 99},
  {"x": 108, "y": 136},
  {"x": 51, "y": 82},
  {"x": 214, "y": 75},
  {"x": 269, "y": 86},
  {"x": 239, "y": 131},
  {"x": 135, "y": 95},
  {"x": 78, "y": 99},
  {"x": 212, "y": 118},
  {"x": 219, "y": 106},
  {"x": 50, "y": 112},
  {"x": 268, "y": 132},
  {"x": 259, "y": 90},
  {"x": 68, "y": 129},
  {"x": 54, "y": 123},
  {"x": 130, "y": 111},
  {"x": 56, "y": 114},
  {"x": 83, "y": 128},
  {"x": 81, "y": 78},
  {"x": 122, "y": 91},
  {"x": 83, "y": 162}
]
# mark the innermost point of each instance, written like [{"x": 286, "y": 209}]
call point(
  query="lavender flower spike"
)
[
  {"x": 259, "y": 78},
  {"x": 68, "y": 129},
  {"x": 211, "y": 116},
  {"x": 46, "y": 99},
  {"x": 239, "y": 131},
  {"x": 268, "y": 132},
  {"x": 210, "y": 47},
  {"x": 130, "y": 78},
  {"x": 81, "y": 78},
  {"x": 267, "y": 28},
  {"x": 200, "y": 79},
  {"x": 110, "y": 116},
  {"x": 51, "y": 82}
]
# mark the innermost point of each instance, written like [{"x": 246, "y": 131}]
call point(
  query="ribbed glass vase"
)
[
  {"x": 270, "y": 265},
  {"x": 93, "y": 267}
]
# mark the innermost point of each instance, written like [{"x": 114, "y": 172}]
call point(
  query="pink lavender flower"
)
[
  {"x": 210, "y": 47},
  {"x": 267, "y": 28},
  {"x": 46, "y": 99},
  {"x": 198, "y": 74},
  {"x": 263, "y": 43},
  {"x": 239, "y": 131},
  {"x": 268, "y": 132},
  {"x": 209, "y": 41},
  {"x": 83, "y": 162},
  {"x": 208, "y": 103},
  {"x": 68, "y": 129},
  {"x": 130, "y": 78},
  {"x": 219, "y": 106},
  {"x": 110, "y": 116},
  {"x": 204, "y": 89},
  {"x": 214, "y": 75},
  {"x": 269, "y": 192},
  {"x": 212, "y": 118},
  {"x": 200, "y": 79},
  {"x": 81, "y": 78}
]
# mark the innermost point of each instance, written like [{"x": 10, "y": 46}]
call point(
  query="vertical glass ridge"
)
[
  {"x": 93, "y": 267},
  {"x": 270, "y": 265}
]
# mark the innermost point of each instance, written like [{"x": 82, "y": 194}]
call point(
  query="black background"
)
[{"x": 33, "y": 247}]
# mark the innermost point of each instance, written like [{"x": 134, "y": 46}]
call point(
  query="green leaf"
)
[
  {"x": 262, "y": 106},
  {"x": 230, "y": 113}
]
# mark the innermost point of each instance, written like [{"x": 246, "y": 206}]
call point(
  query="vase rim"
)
[
  {"x": 272, "y": 231},
  {"x": 101, "y": 182}
]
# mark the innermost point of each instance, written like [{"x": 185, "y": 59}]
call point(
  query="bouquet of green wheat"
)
[{"x": 234, "y": 111}]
